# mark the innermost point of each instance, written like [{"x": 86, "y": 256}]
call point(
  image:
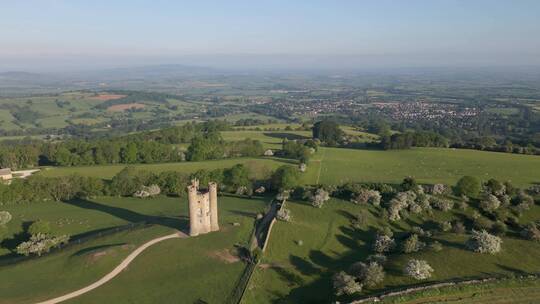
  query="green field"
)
[
  {"x": 427, "y": 165},
  {"x": 519, "y": 291},
  {"x": 269, "y": 139},
  {"x": 175, "y": 269},
  {"x": 293, "y": 273},
  {"x": 258, "y": 164}
]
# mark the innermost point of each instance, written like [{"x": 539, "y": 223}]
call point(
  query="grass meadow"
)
[
  {"x": 293, "y": 273},
  {"x": 261, "y": 165},
  {"x": 427, "y": 165},
  {"x": 175, "y": 269}
]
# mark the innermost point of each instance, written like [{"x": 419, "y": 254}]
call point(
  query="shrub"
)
[
  {"x": 459, "y": 227},
  {"x": 469, "y": 186},
  {"x": 438, "y": 189},
  {"x": 524, "y": 198},
  {"x": 149, "y": 191},
  {"x": 285, "y": 177},
  {"x": 534, "y": 189},
  {"x": 490, "y": 203},
  {"x": 482, "y": 223},
  {"x": 366, "y": 196},
  {"x": 283, "y": 195},
  {"x": 399, "y": 203},
  {"x": 39, "y": 227},
  {"x": 412, "y": 244},
  {"x": 369, "y": 274},
  {"x": 383, "y": 243},
  {"x": 435, "y": 246},
  {"x": 531, "y": 232},
  {"x": 409, "y": 183},
  {"x": 483, "y": 242},
  {"x": 345, "y": 284},
  {"x": 499, "y": 228},
  {"x": 445, "y": 226},
  {"x": 495, "y": 187},
  {"x": 319, "y": 198},
  {"x": 283, "y": 214},
  {"x": 5, "y": 217},
  {"x": 441, "y": 203},
  {"x": 418, "y": 269},
  {"x": 415, "y": 208},
  {"x": 40, "y": 243},
  {"x": 377, "y": 258}
]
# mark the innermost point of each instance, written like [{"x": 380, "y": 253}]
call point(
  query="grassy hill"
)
[
  {"x": 293, "y": 273},
  {"x": 175, "y": 269}
]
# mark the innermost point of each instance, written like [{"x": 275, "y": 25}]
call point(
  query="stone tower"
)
[{"x": 203, "y": 211}]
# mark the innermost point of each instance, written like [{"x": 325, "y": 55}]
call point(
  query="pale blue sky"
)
[{"x": 414, "y": 31}]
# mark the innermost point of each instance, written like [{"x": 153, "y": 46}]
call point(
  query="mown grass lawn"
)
[
  {"x": 175, "y": 270},
  {"x": 293, "y": 273}
]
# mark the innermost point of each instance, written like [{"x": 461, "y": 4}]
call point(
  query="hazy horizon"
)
[{"x": 64, "y": 35}]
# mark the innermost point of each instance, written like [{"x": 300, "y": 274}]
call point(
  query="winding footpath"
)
[{"x": 115, "y": 271}]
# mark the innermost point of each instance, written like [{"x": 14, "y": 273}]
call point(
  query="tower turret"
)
[
  {"x": 194, "y": 210},
  {"x": 212, "y": 191}
]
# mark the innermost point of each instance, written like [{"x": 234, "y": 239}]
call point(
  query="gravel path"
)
[{"x": 115, "y": 271}]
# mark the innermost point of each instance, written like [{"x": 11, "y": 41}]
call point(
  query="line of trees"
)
[
  {"x": 147, "y": 147},
  {"x": 240, "y": 179}
]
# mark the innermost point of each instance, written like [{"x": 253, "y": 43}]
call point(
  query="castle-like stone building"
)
[{"x": 203, "y": 211}]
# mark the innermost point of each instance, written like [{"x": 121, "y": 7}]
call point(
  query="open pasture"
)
[
  {"x": 427, "y": 165},
  {"x": 301, "y": 273},
  {"x": 202, "y": 268}
]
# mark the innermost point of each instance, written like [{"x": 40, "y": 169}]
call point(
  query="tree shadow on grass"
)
[
  {"x": 456, "y": 245},
  {"x": 244, "y": 213},
  {"x": 282, "y": 135},
  {"x": 288, "y": 276},
  {"x": 512, "y": 270},
  {"x": 95, "y": 248},
  {"x": 305, "y": 267},
  {"x": 180, "y": 223}
]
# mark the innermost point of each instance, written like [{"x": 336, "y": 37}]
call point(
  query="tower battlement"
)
[{"x": 203, "y": 211}]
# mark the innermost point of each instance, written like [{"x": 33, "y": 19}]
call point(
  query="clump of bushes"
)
[
  {"x": 369, "y": 274},
  {"x": 319, "y": 197},
  {"x": 41, "y": 243},
  {"x": 418, "y": 269},
  {"x": 147, "y": 191},
  {"x": 284, "y": 214},
  {"x": 367, "y": 196},
  {"x": 441, "y": 203},
  {"x": 412, "y": 244},
  {"x": 531, "y": 232},
  {"x": 383, "y": 243},
  {"x": 345, "y": 284},
  {"x": 490, "y": 203},
  {"x": 483, "y": 242}
]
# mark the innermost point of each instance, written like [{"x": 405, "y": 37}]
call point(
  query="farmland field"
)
[{"x": 188, "y": 264}]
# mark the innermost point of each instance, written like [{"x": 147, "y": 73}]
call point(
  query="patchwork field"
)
[
  {"x": 178, "y": 268},
  {"x": 125, "y": 106}
]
